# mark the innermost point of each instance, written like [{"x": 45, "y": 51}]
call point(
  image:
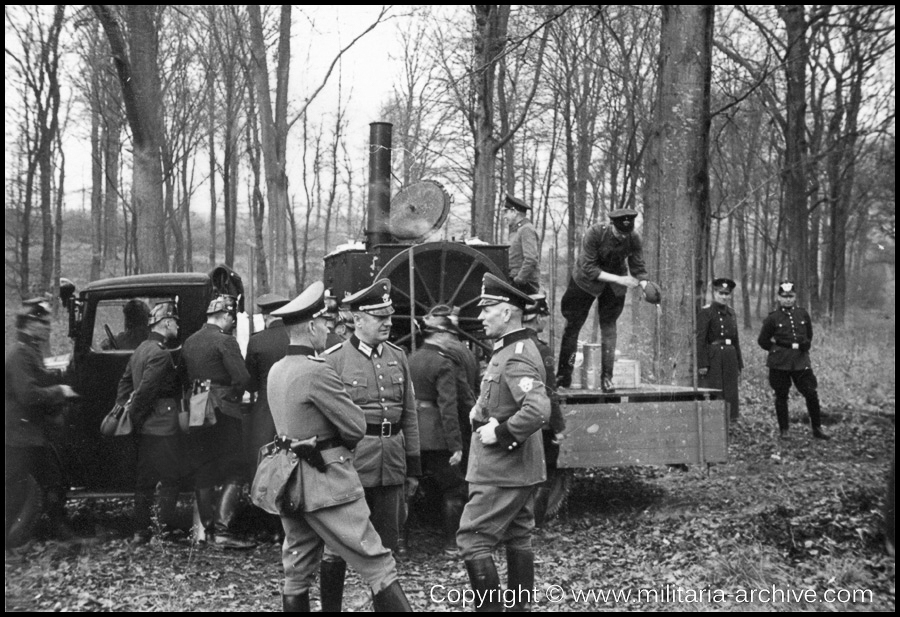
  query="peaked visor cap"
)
[
  {"x": 308, "y": 305},
  {"x": 374, "y": 299},
  {"x": 495, "y": 291},
  {"x": 539, "y": 308},
  {"x": 724, "y": 285},
  {"x": 35, "y": 309},
  {"x": 514, "y": 203},
  {"x": 787, "y": 288},
  {"x": 270, "y": 302},
  {"x": 222, "y": 304}
]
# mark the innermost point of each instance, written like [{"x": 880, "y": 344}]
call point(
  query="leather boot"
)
[
  {"x": 485, "y": 584},
  {"x": 56, "y": 512},
  {"x": 228, "y": 504},
  {"x": 520, "y": 577},
  {"x": 168, "y": 505},
  {"x": 206, "y": 508},
  {"x": 331, "y": 585},
  {"x": 298, "y": 603},
  {"x": 451, "y": 511},
  {"x": 608, "y": 338},
  {"x": 143, "y": 502},
  {"x": 818, "y": 434},
  {"x": 391, "y": 599}
]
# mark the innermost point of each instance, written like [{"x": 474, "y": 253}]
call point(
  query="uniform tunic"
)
[
  {"x": 308, "y": 399},
  {"x": 524, "y": 256},
  {"x": 787, "y": 335},
  {"x": 211, "y": 354},
  {"x": 377, "y": 379},
  {"x": 557, "y": 421},
  {"x": 719, "y": 351},
  {"x": 503, "y": 475},
  {"x": 264, "y": 349}
]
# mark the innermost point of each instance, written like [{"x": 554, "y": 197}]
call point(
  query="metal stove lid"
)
[{"x": 418, "y": 210}]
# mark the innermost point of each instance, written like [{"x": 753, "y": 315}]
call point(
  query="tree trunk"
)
[{"x": 677, "y": 199}]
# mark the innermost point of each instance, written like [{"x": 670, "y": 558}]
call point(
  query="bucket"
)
[{"x": 591, "y": 371}]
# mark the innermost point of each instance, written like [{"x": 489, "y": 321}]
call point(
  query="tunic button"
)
[
  {"x": 382, "y": 388},
  {"x": 381, "y": 377},
  {"x": 354, "y": 382}
]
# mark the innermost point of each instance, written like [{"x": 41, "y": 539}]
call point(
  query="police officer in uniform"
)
[
  {"x": 506, "y": 459},
  {"x": 611, "y": 262},
  {"x": 153, "y": 381},
  {"x": 376, "y": 375},
  {"x": 212, "y": 356},
  {"x": 787, "y": 335},
  {"x": 34, "y": 399},
  {"x": 435, "y": 378},
  {"x": 719, "y": 360},
  {"x": 524, "y": 249},
  {"x": 309, "y": 404}
]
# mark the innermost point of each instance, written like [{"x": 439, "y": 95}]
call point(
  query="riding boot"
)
[
  {"x": 607, "y": 356},
  {"x": 485, "y": 584},
  {"x": 520, "y": 577},
  {"x": 331, "y": 585},
  {"x": 228, "y": 505},
  {"x": 781, "y": 412},
  {"x": 206, "y": 508},
  {"x": 143, "y": 503},
  {"x": 56, "y": 512},
  {"x": 298, "y": 603},
  {"x": 391, "y": 599},
  {"x": 451, "y": 511},
  {"x": 168, "y": 504}
]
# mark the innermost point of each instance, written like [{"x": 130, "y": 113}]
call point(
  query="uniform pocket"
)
[
  {"x": 490, "y": 392},
  {"x": 338, "y": 484},
  {"x": 358, "y": 389}
]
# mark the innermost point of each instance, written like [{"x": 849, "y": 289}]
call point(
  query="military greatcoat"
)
[
  {"x": 264, "y": 349},
  {"x": 719, "y": 351}
]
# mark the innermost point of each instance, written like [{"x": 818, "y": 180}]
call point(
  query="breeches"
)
[{"x": 493, "y": 515}]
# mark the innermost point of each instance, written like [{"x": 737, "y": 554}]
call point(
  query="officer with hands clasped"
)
[
  {"x": 787, "y": 335},
  {"x": 506, "y": 458},
  {"x": 376, "y": 374},
  {"x": 309, "y": 402},
  {"x": 719, "y": 361}
]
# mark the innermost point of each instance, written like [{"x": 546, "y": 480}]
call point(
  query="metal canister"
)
[
  {"x": 577, "y": 370},
  {"x": 591, "y": 370}
]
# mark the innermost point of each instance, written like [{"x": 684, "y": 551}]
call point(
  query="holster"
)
[{"x": 305, "y": 450}]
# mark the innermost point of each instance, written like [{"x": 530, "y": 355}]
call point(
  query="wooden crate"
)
[
  {"x": 637, "y": 430},
  {"x": 627, "y": 373}
]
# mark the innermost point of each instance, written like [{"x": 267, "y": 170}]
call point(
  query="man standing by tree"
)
[
  {"x": 524, "y": 252},
  {"x": 610, "y": 263},
  {"x": 506, "y": 458},
  {"x": 787, "y": 335},
  {"x": 719, "y": 360},
  {"x": 376, "y": 375}
]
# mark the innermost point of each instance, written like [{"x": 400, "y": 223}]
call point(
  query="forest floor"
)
[{"x": 784, "y": 525}]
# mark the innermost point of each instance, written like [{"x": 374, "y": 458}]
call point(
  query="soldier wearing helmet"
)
[
  {"x": 213, "y": 361},
  {"x": 153, "y": 382}
]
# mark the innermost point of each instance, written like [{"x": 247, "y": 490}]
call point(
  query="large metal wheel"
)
[
  {"x": 437, "y": 273},
  {"x": 552, "y": 495}
]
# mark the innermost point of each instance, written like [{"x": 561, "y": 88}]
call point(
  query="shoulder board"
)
[
  {"x": 316, "y": 358},
  {"x": 390, "y": 344},
  {"x": 520, "y": 346},
  {"x": 443, "y": 353},
  {"x": 333, "y": 349},
  {"x": 707, "y": 306}
]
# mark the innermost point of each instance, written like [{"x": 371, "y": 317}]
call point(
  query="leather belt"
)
[
  {"x": 283, "y": 443},
  {"x": 385, "y": 429},
  {"x": 723, "y": 341}
]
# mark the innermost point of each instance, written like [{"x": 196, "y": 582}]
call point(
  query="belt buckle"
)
[
  {"x": 385, "y": 428},
  {"x": 728, "y": 341}
]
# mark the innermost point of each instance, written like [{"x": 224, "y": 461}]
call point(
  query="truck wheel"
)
[
  {"x": 552, "y": 495},
  {"x": 23, "y": 516}
]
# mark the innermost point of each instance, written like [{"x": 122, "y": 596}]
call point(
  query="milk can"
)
[{"x": 591, "y": 367}]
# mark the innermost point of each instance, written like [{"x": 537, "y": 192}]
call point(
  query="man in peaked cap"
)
[
  {"x": 611, "y": 262},
  {"x": 524, "y": 246},
  {"x": 213, "y": 361},
  {"x": 153, "y": 382},
  {"x": 506, "y": 457},
  {"x": 435, "y": 376},
  {"x": 34, "y": 399},
  {"x": 311, "y": 408},
  {"x": 787, "y": 335},
  {"x": 719, "y": 360},
  {"x": 376, "y": 375},
  {"x": 264, "y": 349}
]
